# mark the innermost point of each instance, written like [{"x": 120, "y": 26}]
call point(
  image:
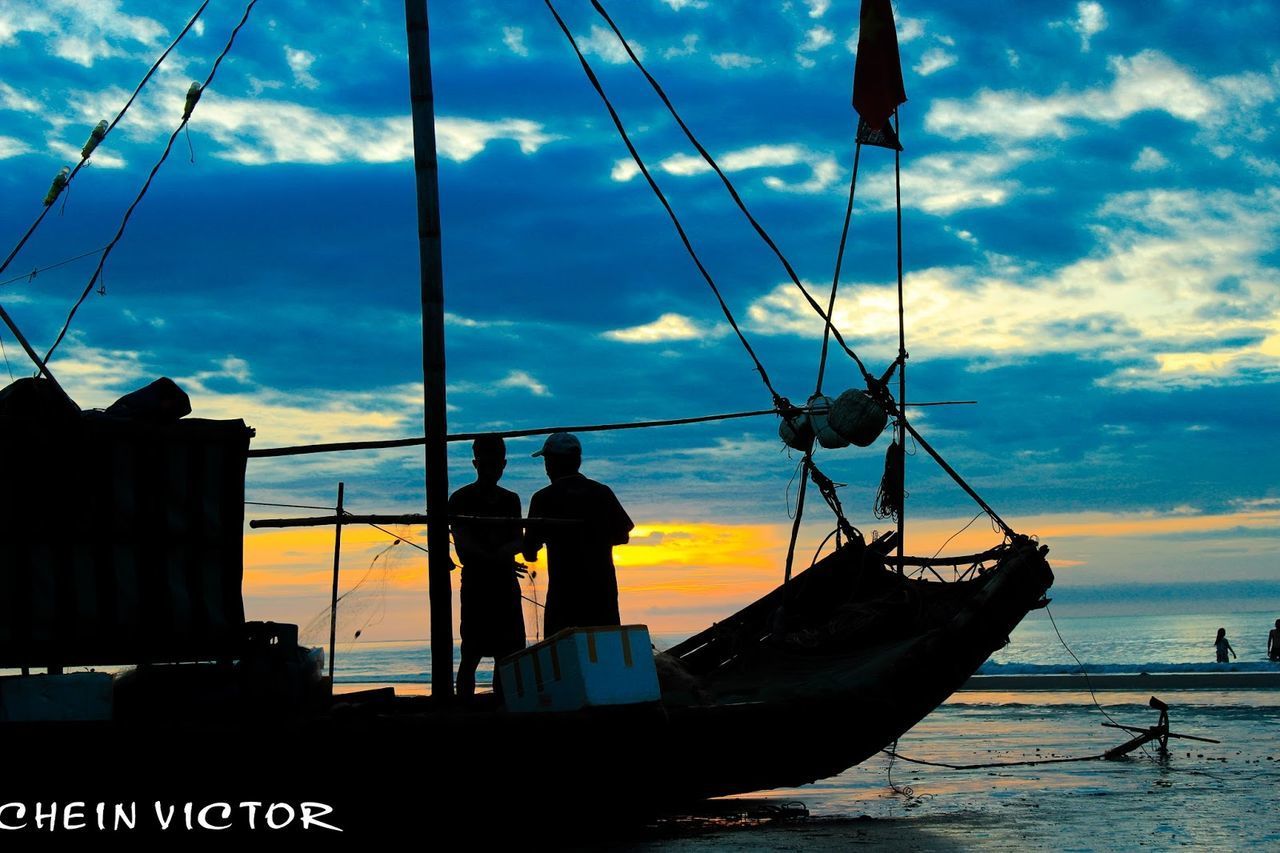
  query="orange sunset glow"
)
[{"x": 676, "y": 576}]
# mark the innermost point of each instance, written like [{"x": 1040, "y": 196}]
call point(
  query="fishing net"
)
[{"x": 363, "y": 606}]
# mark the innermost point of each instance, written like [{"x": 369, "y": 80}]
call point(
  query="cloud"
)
[
  {"x": 1150, "y": 160},
  {"x": 686, "y": 4},
  {"x": 668, "y": 327},
  {"x": 1176, "y": 295},
  {"x": 604, "y": 44},
  {"x": 524, "y": 381},
  {"x": 816, "y": 39},
  {"x": 934, "y": 60},
  {"x": 258, "y": 131},
  {"x": 10, "y": 147},
  {"x": 909, "y": 29},
  {"x": 817, "y": 8},
  {"x": 1090, "y": 20},
  {"x": 300, "y": 62},
  {"x": 688, "y": 47},
  {"x": 1146, "y": 81},
  {"x": 945, "y": 183},
  {"x": 12, "y": 99},
  {"x": 513, "y": 38},
  {"x": 824, "y": 169},
  {"x": 79, "y": 32},
  {"x": 729, "y": 61}
]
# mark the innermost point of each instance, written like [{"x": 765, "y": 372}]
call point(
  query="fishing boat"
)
[{"x": 821, "y": 673}]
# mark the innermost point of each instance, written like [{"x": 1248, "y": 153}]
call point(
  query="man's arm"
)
[
  {"x": 618, "y": 524},
  {"x": 533, "y": 541}
]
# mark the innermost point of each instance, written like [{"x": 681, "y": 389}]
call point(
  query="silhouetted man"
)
[
  {"x": 492, "y": 617},
  {"x": 582, "y": 589},
  {"x": 1273, "y": 643}
]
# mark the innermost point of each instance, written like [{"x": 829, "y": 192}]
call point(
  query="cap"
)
[{"x": 561, "y": 444}]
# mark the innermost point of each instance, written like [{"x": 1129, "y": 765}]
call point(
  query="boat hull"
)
[{"x": 795, "y": 714}]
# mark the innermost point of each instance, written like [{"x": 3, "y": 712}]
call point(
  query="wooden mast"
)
[
  {"x": 902, "y": 359},
  {"x": 439, "y": 563}
]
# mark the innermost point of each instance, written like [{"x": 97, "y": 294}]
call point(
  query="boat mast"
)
[
  {"x": 433, "y": 388},
  {"x": 902, "y": 359}
]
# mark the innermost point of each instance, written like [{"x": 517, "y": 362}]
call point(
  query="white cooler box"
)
[{"x": 581, "y": 667}]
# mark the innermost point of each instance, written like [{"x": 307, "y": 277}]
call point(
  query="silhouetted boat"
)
[{"x": 122, "y": 545}]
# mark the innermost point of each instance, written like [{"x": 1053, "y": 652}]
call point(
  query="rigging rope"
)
[
  {"x": 96, "y": 138},
  {"x": 733, "y": 193},
  {"x": 893, "y": 753},
  {"x": 383, "y": 444},
  {"x": 828, "y": 323},
  {"x": 31, "y": 276},
  {"x": 795, "y": 524},
  {"x": 653, "y": 184},
  {"x": 193, "y": 96}
]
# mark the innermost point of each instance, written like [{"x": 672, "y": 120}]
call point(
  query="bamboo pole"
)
[
  {"x": 333, "y": 599},
  {"x": 401, "y": 518},
  {"x": 435, "y": 429},
  {"x": 902, "y": 357}
]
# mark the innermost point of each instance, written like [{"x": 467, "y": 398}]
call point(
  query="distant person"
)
[
  {"x": 1273, "y": 643},
  {"x": 492, "y": 616},
  {"x": 582, "y": 587},
  {"x": 1223, "y": 645}
]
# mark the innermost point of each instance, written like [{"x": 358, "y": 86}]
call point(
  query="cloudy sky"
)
[{"x": 1090, "y": 216}]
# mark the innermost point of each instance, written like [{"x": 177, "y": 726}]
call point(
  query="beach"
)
[{"x": 1202, "y": 795}]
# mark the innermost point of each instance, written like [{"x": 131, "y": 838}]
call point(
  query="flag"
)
[
  {"x": 882, "y": 138},
  {"x": 877, "y": 74}
]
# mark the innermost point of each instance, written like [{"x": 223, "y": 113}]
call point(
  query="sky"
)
[{"x": 1090, "y": 213}]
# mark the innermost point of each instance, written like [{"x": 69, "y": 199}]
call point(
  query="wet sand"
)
[{"x": 1206, "y": 796}]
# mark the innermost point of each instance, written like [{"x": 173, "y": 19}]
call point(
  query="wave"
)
[
  {"x": 992, "y": 668},
  {"x": 396, "y": 678}
]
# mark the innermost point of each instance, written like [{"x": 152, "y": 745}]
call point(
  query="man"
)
[
  {"x": 1273, "y": 643},
  {"x": 492, "y": 622},
  {"x": 582, "y": 589}
]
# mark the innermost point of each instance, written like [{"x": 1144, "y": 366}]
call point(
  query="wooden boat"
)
[{"x": 816, "y": 676}]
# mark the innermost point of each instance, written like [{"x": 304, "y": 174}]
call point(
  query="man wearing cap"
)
[
  {"x": 582, "y": 589},
  {"x": 492, "y": 616}
]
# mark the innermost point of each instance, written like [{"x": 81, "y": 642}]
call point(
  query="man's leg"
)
[{"x": 467, "y": 674}]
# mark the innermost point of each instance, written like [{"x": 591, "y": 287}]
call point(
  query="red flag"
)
[{"x": 877, "y": 74}]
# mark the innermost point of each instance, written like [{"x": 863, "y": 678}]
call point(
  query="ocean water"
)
[{"x": 1144, "y": 643}]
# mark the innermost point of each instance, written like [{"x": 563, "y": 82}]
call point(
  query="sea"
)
[{"x": 1218, "y": 796}]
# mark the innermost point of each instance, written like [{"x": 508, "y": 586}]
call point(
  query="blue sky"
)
[{"x": 1090, "y": 217}]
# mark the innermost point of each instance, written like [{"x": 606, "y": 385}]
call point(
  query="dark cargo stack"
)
[{"x": 122, "y": 536}]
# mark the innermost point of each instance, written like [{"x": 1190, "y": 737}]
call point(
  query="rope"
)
[
  {"x": 7, "y": 365},
  {"x": 1083, "y": 671},
  {"x": 827, "y": 489},
  {"x": 193, "y": 95},
  {"x": 300, "y": 449},
  {"x": 733, "y": 193},
  {"x": 835, "y": 279},
  {"x": 286, "y": 506},
  {"x": 684, "y": 238},
  {"x": 893, "y": 753},
  {"x": 951, "y": 472},
  {"x": 30, "y": 276},
  {"x": 395, "y": 536},
  {"x": 89, "y": 147},
  {"x": 795, "y": 524},
  {"x": 976, "y": 516}
]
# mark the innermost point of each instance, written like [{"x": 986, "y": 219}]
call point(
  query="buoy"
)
[
  {"x": 797, "y": 432},
  {"x": 193, "y": 96},
  {"x": 58, "y": 185},
  {"x": 95, "y": 137},
  {"x": 857, "y": 417},
  {"x": 819, "y": 409}
]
